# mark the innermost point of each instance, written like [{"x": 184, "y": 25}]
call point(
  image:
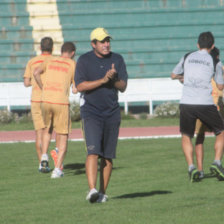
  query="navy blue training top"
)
[{"x": 103, "y": 101}]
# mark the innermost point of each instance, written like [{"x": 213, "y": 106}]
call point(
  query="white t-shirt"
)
[{"x": 198, "y": 71}]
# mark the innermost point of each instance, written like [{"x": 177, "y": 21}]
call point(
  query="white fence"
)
[
  {"x": 16, "y": 94},
  {"x": 150, "y": 90},
  {"x": 138, "y": 90}
]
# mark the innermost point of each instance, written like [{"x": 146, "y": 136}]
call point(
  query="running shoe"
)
[
  {"x": 201, "y": 174},
  {"x": 194, "y": 175},
  {"x": 40, "y": 167},
  {"x": 92, "y": 196},
  {"x": 102, "y": 198},
  {"x": 44, "y": 166},
  {"x": 54, "y": 155},
  {"x": 57, "y": 173},
  {"x": 217, "y": 170}
]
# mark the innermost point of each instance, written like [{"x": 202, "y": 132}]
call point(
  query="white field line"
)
[{"x": 120, "y": 138}]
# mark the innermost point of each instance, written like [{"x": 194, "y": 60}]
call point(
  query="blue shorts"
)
[
  {"x": 101, "y": 136},
  {"x": 208, "y": 114}
]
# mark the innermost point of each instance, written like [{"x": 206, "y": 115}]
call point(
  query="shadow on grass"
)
[
  {"x": 209, "y": 175},
  {"x": 142, "y": 194},
  {"x": 79, "y": 168}
]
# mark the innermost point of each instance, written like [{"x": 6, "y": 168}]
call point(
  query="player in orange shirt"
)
[
  {"x": 59, "y": 75},
  {"x": 46, "y": 46}
]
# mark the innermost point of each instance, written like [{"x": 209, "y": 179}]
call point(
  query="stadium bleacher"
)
[
  {"x": 16, "y": 32},
  {"x": 16, "y": 42},
  {"x": 151, "y": 35}
]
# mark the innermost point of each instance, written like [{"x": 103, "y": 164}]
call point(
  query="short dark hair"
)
[
  {"x": 206, "y": 40},
  {"x": 94, "y": 41},
  {"x": 46, "y": 44},
  {"x": 68, "y": 47},
  {"x": 215, "y": 54},
  {"x": 105, "y": 39}
]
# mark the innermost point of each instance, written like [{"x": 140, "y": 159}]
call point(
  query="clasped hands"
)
[{"x": 110, "y": 74}]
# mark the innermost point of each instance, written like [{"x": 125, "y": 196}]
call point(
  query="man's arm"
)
[
  {"x": 90, "y": 85},
  {"x": 27, "y": 82},
  {"x": 220, "y": 86},
  {"x": 176, "y": 76},
  {"x": 37, "y": 72},
  {"x": 74, "y": 89},
  {"x": 219, "y": 76},
  {"x": 178, "y": 71},
  {"x": 120, "y": 85},
  {"x": 27, "y": 76}
]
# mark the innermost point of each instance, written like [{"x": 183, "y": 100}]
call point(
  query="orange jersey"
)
[
  {"x": 216, "y": 93},
  {"x": 31, "y": 65},
  {"x": 217, "y": 98},
  {"x": 59, "y": 75}
]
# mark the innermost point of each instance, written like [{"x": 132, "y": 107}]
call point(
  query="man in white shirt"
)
[{"x": 197, "y": 102}]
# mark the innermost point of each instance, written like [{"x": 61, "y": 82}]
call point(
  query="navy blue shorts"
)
[
  {"x": 101, "y": 136},
  {"x": 208, "y": 114}
]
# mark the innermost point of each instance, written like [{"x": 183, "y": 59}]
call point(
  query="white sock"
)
[
  {"x": 93, "y": 190},
  {"x": 44, "y": 157},
  {"x": 218, "y": 162},
  {"x": 57, "y": 170},
  {"x": 191, "y": 167}
]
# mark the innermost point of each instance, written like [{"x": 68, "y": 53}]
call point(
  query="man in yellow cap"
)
[{"x": 99, "y": 75}]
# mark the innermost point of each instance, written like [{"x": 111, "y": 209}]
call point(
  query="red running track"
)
[
  {"x": 76, "y": 135},
  {"x": 135, "y": 132}
]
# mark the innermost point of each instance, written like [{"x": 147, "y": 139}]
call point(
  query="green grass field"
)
[{"x": 149, "y": 185}]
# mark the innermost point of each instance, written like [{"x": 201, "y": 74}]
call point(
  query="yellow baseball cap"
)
[{"x": 99, "y": 34}]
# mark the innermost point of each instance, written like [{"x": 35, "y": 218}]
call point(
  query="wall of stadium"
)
[
  {"x": 151, "y": 35},
  {"x": 146, "y": 91}
]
